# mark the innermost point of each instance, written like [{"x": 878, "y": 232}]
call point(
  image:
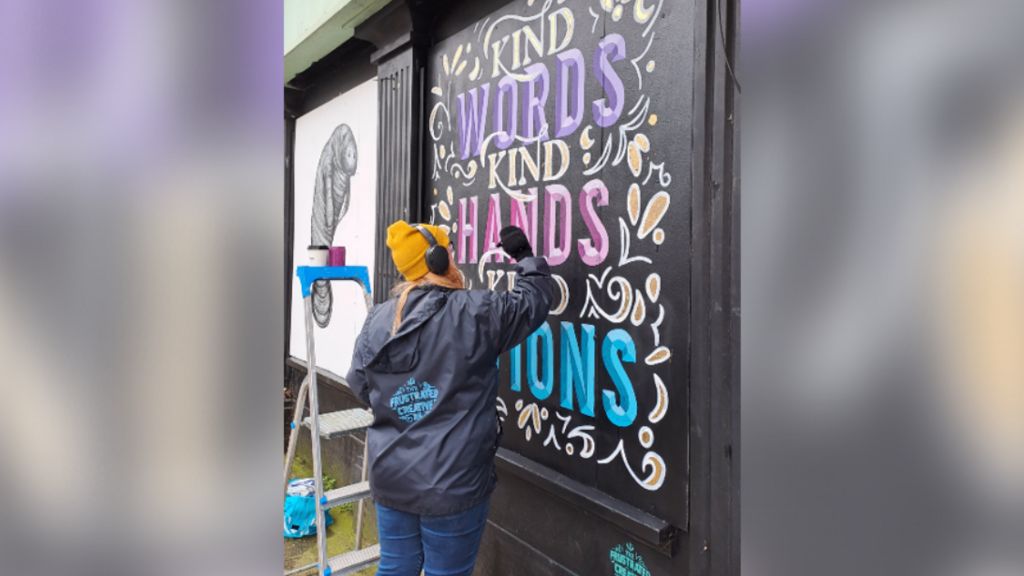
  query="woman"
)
[{"x": 426, "y": 363}]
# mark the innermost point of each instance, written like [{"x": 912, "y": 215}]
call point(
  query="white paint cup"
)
[{"x": 317, "y": 255}]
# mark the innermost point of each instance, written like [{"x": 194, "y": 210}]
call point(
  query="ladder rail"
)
[
  {"x": 314, "y": 414},
  {"x": 307, "y": 276},
  {"x": 293, "y": 436},
  {"x": 362, "y": 501}
]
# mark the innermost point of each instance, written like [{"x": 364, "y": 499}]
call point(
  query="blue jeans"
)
[{"x": 438, "y": 545}]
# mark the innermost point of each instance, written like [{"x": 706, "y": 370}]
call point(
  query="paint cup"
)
[
  {"x": 317, "y": 255},
  {"x": 337, "y": 257}
]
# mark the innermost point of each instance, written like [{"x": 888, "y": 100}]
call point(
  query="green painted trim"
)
[{"x": 313, "y": 28}]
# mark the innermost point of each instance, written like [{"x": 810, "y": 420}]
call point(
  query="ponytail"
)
[{"x": 452, "y": 279}]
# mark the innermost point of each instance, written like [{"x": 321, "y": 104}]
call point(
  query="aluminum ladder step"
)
[
  {"x": 334, "y": 424},
  {"x": 345, "y": 494},
  {"x": 351, "y": 561}
]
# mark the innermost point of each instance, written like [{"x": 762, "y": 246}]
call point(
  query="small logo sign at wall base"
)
[{"x": 627, "y": 562}]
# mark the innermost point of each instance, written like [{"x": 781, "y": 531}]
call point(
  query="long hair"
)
[{"x": 452, "y": 279}]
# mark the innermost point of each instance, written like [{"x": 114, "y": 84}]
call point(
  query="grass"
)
[{"x": 341, "y": 535}]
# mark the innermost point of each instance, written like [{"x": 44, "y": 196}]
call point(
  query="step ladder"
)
[{"x": 326, "y": 427}]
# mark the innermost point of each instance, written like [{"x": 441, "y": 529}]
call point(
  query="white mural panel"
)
[{"x": 335, "y": 205}]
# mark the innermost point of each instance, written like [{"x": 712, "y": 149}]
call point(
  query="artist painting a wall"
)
[
  {"x": 335, "y": 203},
  {"x": 605, "y": 130}
]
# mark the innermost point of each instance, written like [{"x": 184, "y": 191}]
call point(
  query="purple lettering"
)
[
  {"x": 565, "y": 121},
  {"x": 536, "y": 96},
  {"x": 611, "y": 48},
  {"x": 508, "y": 99},
  {"x": 472, "y": 119}
]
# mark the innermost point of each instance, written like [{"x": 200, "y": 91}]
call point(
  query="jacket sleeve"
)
[
  {"x": 517, "y": 313},
  {"x": 356, "y": 377}
]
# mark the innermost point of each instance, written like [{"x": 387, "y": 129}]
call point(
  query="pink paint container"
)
[{"x": 337, "y": 256}]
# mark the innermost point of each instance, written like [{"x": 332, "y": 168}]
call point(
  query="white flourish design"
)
[
  {"x": 652, "y": 460},
  {"x": 618, "y": 289}
]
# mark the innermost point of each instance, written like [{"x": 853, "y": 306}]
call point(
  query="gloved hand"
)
[{"x": 514, "y": 242}]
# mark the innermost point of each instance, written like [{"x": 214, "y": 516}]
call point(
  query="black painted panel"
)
[
  {"x": 715, "y": 379},
  {"x": 571, "y": 538},
  {"x": 617, "y": 256},
  {"x": 503, "y": 553}
]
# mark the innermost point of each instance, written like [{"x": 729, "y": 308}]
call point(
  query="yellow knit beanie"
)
[{"x": 409, "y": 247}]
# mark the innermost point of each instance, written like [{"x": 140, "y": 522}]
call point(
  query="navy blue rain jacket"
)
[{"x": 433, "y": 387}]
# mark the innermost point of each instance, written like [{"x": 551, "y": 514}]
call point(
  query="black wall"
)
[{"x": 555, "y": 512}]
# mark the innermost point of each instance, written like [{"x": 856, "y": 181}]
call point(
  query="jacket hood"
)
[{"x": 399, "y": 353}]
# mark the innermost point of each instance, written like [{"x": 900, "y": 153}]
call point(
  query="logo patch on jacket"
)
[{"x": 412, "y": 401}]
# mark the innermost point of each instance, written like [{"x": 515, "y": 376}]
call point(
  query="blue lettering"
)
[
  {"x": 542, "y": 387},
  {"x": 618, "y": 347},
  {"x": 577, "y": 368},
  {"x": 515, "y": 359}
]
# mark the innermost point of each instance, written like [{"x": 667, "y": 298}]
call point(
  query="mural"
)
[
  {"x": 335, "y": 204},
  {"x": 338, "y": 162},
  {"x": 555, "y": 116}
]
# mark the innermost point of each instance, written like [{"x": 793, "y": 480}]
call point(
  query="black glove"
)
[{"x": 514, "y": 242}]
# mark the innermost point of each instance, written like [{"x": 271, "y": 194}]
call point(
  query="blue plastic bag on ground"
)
[{"x": 300, "y": 509}]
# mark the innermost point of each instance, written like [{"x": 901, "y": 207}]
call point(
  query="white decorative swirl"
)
[
  {"x": 654, "y": 18},
  {"x": 434, "y": 174},
  {"x": 521, "y": 196},
  {"x": 656, "y": 477},
  {"x": 552, "y": 438},
  {"x": 599, "y": 165},
  {"x": 537, "y": 139},
  {"x": 656, "y": 325},
  {"x": 483, "y": 260},
  {"x": 589, "y": 445},
  {"x": 651, "y": 460},
  {"x": 563, "y": 288},
  {"x": 624, "y": 237},
  {"x": 634, "y": 61},
  {"x": 618, "y": 289},
  {"x": 664, "y": 178},
  {"x": 644, "y": 103},
  {"x": 434, "y": 122},
  {"x": 641, "y": 14},
  {"x": 565, "y": 420},
  {"x": 466, "y": 175}
]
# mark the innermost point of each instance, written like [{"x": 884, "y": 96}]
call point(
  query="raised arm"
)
[{"x": 520, "y": 311}]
